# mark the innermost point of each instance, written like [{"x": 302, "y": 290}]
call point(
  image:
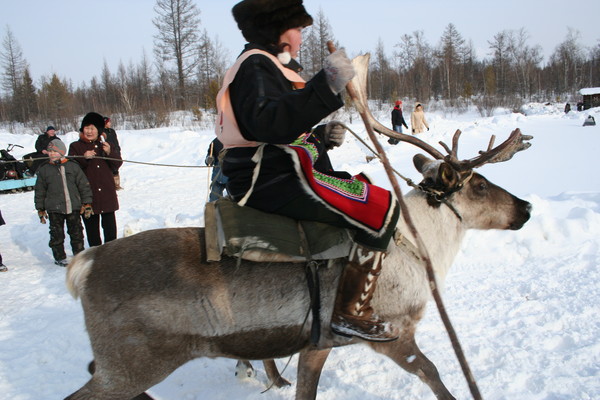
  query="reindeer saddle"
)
[{"x": 258, "y": 236}]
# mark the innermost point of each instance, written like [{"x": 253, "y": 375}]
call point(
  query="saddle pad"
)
[{"x": 258, "y": 236}]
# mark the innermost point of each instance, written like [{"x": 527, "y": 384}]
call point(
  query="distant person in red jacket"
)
[
  {"x": 397, "y": 121},
  {"x": 99, "y": 172}
]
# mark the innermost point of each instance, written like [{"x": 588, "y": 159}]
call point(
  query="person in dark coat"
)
[
  {"x": 41, "y": 144},
  {"x": 99, "y": 172},
  {"x": 567, "y": 108},
  {"x": 3, "y": 268},
  {"x": 266, "y": 115},
  {"x": 110, "y": 135},
  {"x": 218, "y": 180},
  {"x": 397, "y": 121},
  {"x": 62, "y": 193}
]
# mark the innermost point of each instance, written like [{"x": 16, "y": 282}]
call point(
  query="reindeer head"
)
[{"x": 476, "y": 201}]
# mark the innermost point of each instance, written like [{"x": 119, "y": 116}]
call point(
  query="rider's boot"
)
[{"x": 353, "y": 315}]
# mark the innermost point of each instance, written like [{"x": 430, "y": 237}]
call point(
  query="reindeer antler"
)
[{"x": 503, "y": 152}]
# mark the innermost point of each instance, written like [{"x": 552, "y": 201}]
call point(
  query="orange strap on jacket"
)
[{"x": 226, "y": 126}]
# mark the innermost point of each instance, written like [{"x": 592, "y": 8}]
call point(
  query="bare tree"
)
[
  {"x": 314, "y": 46},
  {"x": 13, "y": 63},
  {"x": 525, "y": 60},
  {"x": 567, "y": 60},
  {"x": 449, "y": 55},
  {"x": 381, "y": 74},
  {"x": 177, "y": 40},
  {"x": 211, "y": 69}
]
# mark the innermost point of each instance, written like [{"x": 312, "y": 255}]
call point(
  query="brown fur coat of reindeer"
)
[{"x": 153, "y": 300}]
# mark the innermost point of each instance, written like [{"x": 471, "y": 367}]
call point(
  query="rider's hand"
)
[
  {"x": 335, "y": 133},
  {"x": 338, "y": 70}
]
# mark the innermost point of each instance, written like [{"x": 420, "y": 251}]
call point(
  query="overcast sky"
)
[{"x": 72, "y": 38}]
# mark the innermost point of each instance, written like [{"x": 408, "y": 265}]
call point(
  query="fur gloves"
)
[
  {"x": 335, "y": 133},
  {"x": 338, "y": 70}
]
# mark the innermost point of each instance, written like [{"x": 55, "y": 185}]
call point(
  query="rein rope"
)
[{"x": 109, "y": 159}]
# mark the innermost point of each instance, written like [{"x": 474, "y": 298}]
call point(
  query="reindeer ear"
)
[
  {"x": 420, "y": 161},
  {"x": 447, "y": 176}
]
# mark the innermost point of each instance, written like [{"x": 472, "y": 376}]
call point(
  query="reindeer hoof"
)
[{"x": 281, "y": 382}]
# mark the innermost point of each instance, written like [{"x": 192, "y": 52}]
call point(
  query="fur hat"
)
[
  {"x": 95, "y": 119},
  {"x": 398, "y": 102},
  {"x": 58, "y": 146},
  {"x": 49, "y": 128},
  {"x": 263, "y": 21}
]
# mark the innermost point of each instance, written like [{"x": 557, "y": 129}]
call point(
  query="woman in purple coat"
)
[{"x": 99, "y": 172}]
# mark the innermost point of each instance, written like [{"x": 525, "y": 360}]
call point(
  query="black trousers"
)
[
  {"x": 309, "y": 209},
  {"x": 92, "y": 228},
  {"x": 57, "y": 234}
]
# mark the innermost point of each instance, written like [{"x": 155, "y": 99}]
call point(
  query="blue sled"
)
[{"x": 12, "y": 184}]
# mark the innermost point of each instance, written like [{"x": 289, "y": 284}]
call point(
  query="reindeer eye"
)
[{"x": 483, "y": 186}]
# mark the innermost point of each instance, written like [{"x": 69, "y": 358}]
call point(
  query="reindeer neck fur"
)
[{"x": 440, "y": 229}]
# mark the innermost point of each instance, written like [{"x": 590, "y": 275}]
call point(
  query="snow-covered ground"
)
[{"x": 525, "y": 303}]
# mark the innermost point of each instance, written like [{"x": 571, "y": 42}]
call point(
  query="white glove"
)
[
  {"x": 338, "y": 70},
  {"x": 335, "y": 133}
]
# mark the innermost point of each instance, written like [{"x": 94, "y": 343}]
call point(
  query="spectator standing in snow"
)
[
  {"x": 62, "y": 193},
  {"x": 567, "y": 108},
  {"x": 418, "y": 122},
  {"x": 218, "y": 181},
  {"x": 41, "y": 144},
  {"x": 110, "y": 136},
  {"x": 266, "y": 115},
  {"x": 88, "y": 149},
  {"x": 397, "y": 121},
  {"x": 3, "y": 268}
]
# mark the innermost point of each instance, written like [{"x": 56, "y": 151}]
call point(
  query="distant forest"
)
[{"x": 187, "y": 68}]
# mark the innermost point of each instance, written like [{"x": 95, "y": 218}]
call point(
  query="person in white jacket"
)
[{"x": 417, "y": 120}]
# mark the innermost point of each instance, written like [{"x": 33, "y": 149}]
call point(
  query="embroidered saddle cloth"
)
[{"x": 258, "y": 236}]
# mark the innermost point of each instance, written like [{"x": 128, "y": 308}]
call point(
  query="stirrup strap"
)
[{"x": 314, "y": 290}]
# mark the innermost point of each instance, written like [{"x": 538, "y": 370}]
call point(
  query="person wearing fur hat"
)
[
  {"x": 276, "y": 162},
  {"x": 88, "y": 151},
  {"x": 62, "y": 193}
]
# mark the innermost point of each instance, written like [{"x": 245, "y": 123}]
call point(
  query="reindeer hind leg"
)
[
  {"x": 123, "y": 371},
  {"x": 310, "y": 365},
  {"x": 407, "y": 354},
  {"x": 274, "y": 375}
]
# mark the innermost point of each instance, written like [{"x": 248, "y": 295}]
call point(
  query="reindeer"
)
[{"x": 152, "y": 301}]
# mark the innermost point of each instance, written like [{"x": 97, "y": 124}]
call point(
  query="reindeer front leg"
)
[
  {"x": 407, "y": 354},
  {"x": 310, "y": 365}
]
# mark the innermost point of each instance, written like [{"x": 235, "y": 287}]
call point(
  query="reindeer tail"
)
[{"x": 78, "y": 271}]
